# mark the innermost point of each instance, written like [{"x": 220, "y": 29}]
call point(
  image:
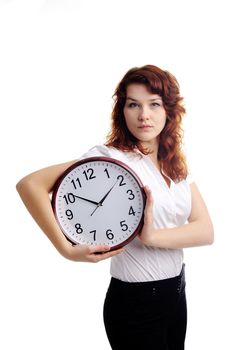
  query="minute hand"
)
[{"x": 103, "y": 199}]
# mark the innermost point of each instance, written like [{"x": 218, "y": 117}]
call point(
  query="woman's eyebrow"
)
[{"x": 152, "y": 99}]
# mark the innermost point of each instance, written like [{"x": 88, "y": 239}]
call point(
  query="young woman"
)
[{"x": 145, "y": 305}]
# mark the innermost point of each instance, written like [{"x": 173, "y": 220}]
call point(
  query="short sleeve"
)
[
  {"x": 190, "y": 178},
  {"x": 97, "y": 151}
]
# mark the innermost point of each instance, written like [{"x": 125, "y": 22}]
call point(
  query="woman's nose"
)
[{"x": 143, "y": 114}]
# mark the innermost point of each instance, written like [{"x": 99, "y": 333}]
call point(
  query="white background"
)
[{"x": 60, "y": 61}]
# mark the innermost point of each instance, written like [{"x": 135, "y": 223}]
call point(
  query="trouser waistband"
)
[{"x": 165, "y": 285}]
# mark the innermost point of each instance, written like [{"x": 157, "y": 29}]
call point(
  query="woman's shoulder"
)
[
  {"x": 189, "y": 179},
  {"x": 97, "y": 151},
  {"x": 106, "y": 151}
]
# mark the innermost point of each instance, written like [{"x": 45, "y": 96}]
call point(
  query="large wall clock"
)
[{"x": 99, "y": 200}]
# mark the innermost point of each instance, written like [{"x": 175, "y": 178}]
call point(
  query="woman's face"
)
[{"x": 144, "y": 114}]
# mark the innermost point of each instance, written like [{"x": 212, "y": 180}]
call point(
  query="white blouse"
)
[{"x": 172, "y": 207}]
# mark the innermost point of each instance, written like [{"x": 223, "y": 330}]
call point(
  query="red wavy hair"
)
[{"x": 170, "y": 155}]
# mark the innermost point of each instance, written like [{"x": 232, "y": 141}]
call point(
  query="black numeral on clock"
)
[
  {"x": 79, "y": 229},
  {"x": 121, "y": 177},
  {"x": 74, "y": 184},
  {"x": 89, "y": 174},
  {"x": 124, "y": 227},
  {"x": 109, "y": 234},
  {"x": 131, "y": 211},
  {"x": 106, "y": 171},
  {"x": 69, "y": 198},
  {"x": 131, "y": 195},
  {"x": 69, "y": 214},
  {"x": 94, "y": 232}
]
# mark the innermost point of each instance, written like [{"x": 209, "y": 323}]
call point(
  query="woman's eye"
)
[
  {"x": 153, "y": 104},
  {"x": 132, "y": 105}
]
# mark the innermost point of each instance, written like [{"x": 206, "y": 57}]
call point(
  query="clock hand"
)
[
  {"x": 103, "y": 199},
  {"x": 85, "y": 199}
]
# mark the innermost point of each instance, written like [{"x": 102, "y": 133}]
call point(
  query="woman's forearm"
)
[
  {"x": 37, "y": 201},
  {"x": 193, "y": 234},
  {"x": 199, "y": 230}
]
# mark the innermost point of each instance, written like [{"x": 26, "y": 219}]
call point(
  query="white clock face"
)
[{"x": 99, "y": 200}]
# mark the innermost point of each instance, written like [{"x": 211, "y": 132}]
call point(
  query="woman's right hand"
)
[{"x": 90, "y": 253}]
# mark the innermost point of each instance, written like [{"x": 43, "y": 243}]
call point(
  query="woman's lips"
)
[{"x": 144, "y": 127}]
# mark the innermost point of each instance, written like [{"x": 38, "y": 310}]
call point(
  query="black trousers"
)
[{"x": 148, "y": 315}]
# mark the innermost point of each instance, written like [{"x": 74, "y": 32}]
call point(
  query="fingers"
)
[
  {"x": 148, "y": 212},
  {"x": 90, "y": 253},
  {"x": 102, "y": 252},
  {"x": 103, "y": 256},
  {"x": 149, "y": 198},
  {"x": 100, "y": 248}
]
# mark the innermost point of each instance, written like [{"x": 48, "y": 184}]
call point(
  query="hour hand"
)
[{"x": 87, "y": 200}]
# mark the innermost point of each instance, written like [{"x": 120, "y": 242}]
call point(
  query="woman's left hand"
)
[{"x": 148, "y": 230}]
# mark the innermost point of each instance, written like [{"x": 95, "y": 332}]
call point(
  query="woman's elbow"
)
[
  {"x": 209, "y": 237},
  {"x": 23, "y": 185},
  {"x": 20, "y": 185}
]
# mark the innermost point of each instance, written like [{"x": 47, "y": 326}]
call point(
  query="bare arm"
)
[
  {"x": 34, "y": 191},
  {"x": 199, "y": 230}
]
